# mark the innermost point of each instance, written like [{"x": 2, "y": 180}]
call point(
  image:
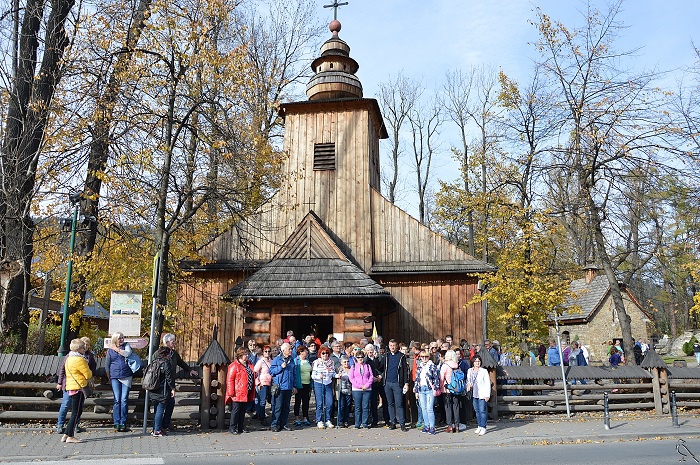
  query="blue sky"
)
[{"x": 426, "y": 38}]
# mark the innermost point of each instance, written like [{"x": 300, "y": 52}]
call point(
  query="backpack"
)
[
  {"x": 153, "y": 374},
  {"x": 456, "y": 384}
]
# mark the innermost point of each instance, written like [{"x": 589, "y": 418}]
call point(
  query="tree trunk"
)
[
  {"x": 615, "y": 292},
  {"x": 103, "y": 117},
  {"x": 28, "y": 110}
]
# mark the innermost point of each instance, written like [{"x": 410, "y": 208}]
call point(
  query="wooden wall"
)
[
  {"x": 431, "y": 306},
  {"x": 200, "y": 308}
]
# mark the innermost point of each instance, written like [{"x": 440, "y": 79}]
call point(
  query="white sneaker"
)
[
  {"x": 482, "y": 432},
  {"x": 320, "y": 425},
  {"x": 329, "y": 424},
  {"x": 477, "y": 430}
]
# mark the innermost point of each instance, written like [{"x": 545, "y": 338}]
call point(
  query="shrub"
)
[{"x": 688, "y": 346}]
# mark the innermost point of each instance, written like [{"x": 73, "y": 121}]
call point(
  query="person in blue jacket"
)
[
  {"x": 283, "y": 372},
  {"x": 553, "y": 358}
]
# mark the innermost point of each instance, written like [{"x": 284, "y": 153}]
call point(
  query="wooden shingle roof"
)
[{"x": 308, "y": 265}]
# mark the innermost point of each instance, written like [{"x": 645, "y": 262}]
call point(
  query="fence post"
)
[
  {"x": 674, "y": 410},
  {"x": 606, "y": 411}
]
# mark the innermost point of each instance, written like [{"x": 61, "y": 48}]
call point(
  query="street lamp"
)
[{"x": 75, "y": 201}]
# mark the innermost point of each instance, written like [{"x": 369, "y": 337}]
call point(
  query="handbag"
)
[
  {"x": 134, "y": 362},
  {"x": 275, "y": 390},
  {"x": 88, "y": 389}
]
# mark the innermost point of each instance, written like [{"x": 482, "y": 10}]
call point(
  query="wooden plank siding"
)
[
  {"x": 432, "y": 306},
  {"x": 201, "y": 308}
]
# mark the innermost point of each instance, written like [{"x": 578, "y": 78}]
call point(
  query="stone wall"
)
[{"x": 603, "y": 327}]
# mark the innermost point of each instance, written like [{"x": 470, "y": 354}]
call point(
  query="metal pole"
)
[
  {"x": 62, "y": 350},
  {"x": 154, "y": 306},
  {"x": 674, "y": 410},
  {"x": 563, "y": 374},
  {"x": 606, "y": 411}
]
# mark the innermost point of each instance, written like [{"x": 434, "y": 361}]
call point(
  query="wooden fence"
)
[{"x": 28, "y": 392}]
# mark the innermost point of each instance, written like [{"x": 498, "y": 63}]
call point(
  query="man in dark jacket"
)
[
  {"x": 164, "y": 391},
  {"x": 175, "y": 361},
  {"x": 395, "y": 384},
  {"x": 376, "y": 362}
]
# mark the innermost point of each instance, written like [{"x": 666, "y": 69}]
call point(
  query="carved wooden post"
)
[
  {"x": 221, "y": 417},
  {"x": 213, "y": 389},
  {"x": 205, "y": 402},
  {"x": 658, "y": 369}
]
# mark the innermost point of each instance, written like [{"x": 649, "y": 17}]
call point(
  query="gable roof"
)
[
  {"x": 586, "y": 296},
  {"x": 402, "y": 244},
  {"x": 308, "y": 265}
]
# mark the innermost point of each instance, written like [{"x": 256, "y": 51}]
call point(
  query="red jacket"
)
[{"x": 237, "y": 383}]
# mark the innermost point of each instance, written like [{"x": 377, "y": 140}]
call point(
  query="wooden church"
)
[{"x": 330, "y": 254}]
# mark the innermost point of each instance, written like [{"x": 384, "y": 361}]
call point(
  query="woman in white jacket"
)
[{"x": 479, "y": 384}]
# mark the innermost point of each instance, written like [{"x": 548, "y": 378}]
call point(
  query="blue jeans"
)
[
  {"x": 261, "y": 400},
  {"x": 427, "y": 404},
  {"x": 361, "y": 399},
  {"x": 280, "y": 413},
  {"x": 344, "y": 408},
  {"x": 394, "y": 394},
  {"x": 324, "y": 401},
  {"x": 121, "y": 402},
  {"x": 480, "y": 411},
  {"x": 168, "y": 412},
  {"x": 63, "y": 411},
  {"x": 158, "y": 411}
]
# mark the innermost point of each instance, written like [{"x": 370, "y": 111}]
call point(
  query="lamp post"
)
[{"x": 62, "y": 350}]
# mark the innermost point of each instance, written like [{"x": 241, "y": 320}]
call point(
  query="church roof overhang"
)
[
  {"x": 425, "y": 267},
  {"x": 224, "y": 265},
  {"x": 307, "y": 279},
  {"x": 341, "y": 103}
]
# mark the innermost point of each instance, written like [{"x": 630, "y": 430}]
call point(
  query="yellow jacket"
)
[{"x": 77, "y": 373}]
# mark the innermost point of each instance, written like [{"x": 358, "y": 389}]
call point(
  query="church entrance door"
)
[{"x": 322, "y": 326}]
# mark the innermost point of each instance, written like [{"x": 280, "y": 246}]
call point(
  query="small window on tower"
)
[{"x": 324, "y": 156}]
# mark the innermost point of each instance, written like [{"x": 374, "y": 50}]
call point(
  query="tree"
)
[
  {"x": 612, "y": 128},
  {"x": 457, "y": 89},
  {"x": 36, "y": 70},
  {"x": 425, "y": 121},
  {"x": 397, "y": 97}
]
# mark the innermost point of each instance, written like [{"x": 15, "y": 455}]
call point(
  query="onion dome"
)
[{"x": 334, "y": 71}]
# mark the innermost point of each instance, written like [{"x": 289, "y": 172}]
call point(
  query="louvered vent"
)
[{"x": 324, "y": 156}]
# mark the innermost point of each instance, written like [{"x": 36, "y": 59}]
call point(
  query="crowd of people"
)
[
  {"x": 361, "y": 385},
  {"x": 420, "y": 385}
]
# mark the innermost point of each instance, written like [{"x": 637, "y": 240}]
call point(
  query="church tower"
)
[
  {"x": 330, "y": 254},
  {"x": 332, "y": 144}
]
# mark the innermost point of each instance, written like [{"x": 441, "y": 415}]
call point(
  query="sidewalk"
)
[{"x": 30, "y": 444}]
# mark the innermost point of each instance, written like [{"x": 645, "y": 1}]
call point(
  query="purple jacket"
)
[{"x": 361, "y": 378}]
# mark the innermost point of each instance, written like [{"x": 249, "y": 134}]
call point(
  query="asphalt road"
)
[{"x": 645, "y": 452}]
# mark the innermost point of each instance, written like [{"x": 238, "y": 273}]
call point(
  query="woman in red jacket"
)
[{"x": 240, "y": 389}]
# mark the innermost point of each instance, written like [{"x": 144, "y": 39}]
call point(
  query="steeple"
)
[{"x": 334, "y": 70}]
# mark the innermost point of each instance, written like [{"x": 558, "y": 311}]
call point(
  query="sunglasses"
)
[
  {"x": 424, "y": 356},
  {"x": 359, "y": 356}
]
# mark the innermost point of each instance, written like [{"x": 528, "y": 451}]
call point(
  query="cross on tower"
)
[{"x": 335, "y": 6}]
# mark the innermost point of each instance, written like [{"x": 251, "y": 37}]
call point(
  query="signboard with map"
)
[{"x": 125, "y": 313}]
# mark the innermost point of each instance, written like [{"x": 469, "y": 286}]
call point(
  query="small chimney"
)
[{"x": 591, "y": 272}]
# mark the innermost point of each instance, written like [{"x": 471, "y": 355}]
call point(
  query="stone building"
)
[{"x": 591, "y": 316}]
